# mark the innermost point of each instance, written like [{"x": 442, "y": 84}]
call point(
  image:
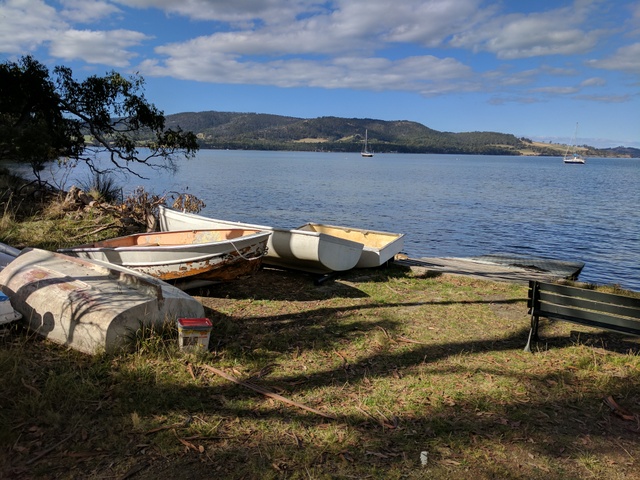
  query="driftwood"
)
[
  {"x": 266, "y": 392},
  {"x": 76, "y": 198}
]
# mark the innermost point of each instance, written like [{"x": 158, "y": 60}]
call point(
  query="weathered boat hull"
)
[
  {"x": 89, "y": 305},
  {"x": 379, "y": 247},
  {"x": 289, "y": 248},
  {"x": 7, "y": 255},
  {"x": 569, "y": 270},
  {"x": 212, "y": 255}
]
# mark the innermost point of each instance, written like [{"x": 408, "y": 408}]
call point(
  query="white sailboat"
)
[
  {"x": 574, "y": 157},
  {"x": 365, "y": 148}
]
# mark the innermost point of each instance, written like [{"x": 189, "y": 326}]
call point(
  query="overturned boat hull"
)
[{"x": 89, "y": 305}]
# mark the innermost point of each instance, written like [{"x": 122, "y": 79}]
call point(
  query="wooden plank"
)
[
  {"x": 545, "y": 298},
  {"x": 582, "y": 306},
  {"x": 475, "y": 269},
  {"x": 594, "y": 295},
  {"x": 590, "y": 318}
]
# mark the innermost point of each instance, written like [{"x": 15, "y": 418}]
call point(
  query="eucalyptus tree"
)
[{"x": 46, "y": 117}]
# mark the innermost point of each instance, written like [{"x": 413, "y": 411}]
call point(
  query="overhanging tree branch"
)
[{"x": 43, "y": 120}]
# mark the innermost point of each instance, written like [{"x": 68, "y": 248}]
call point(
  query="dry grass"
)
[
  {"x": 406, "y": 364},
  {"x": 50, "y": 224}
]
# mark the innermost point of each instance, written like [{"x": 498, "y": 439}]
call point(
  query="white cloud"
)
[
  {"x": 430, "y": 23},
  {"x": 625, "y": 59},
  {"x": 555, "y": 32},
  {"x": 332, "y": 47},
  {"x": 593, "y": 82},
  {"x": 105, "y": 47},
  {"x": 426, "y": 75},
  {"x": 605, "y": 98},
  {"x": 232, "y": 11},
  {"x": 87, "y": 11},
  {"x": 556, "y": 90},
  {"x": 349, "y": 26},
  {"x": 26, "y": 24},
  {"x": 360, "y": 44}
]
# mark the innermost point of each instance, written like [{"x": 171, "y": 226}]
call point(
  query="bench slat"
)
[
  {"x": 594, "y": 295},
  {"x": 591, "y": 319},
  {"x": 586, "y": 304},
  {"x": 582, "y": 306}
]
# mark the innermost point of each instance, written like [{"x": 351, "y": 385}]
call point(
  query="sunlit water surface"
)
[{"x": 447, "y": 205}]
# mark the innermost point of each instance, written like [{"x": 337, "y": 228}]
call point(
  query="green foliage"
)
[
  {"x": 33, "y": 127},
  {"x": 102, "y": 187},
  {"x": 43, "y": 119},
  {"x": 115, "y": 112},
  {"x": 273, "y": 132}
]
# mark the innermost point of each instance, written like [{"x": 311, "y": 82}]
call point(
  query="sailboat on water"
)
[
  {"x": 365, "y": 149},
  {"x": 574, "y": 157}
]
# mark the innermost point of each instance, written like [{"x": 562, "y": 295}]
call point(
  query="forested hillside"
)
[
  {"x": 274, "y": 132},
  {"x": 260, "y": 131}
]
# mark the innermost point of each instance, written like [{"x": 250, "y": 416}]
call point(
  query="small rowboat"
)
[
  {"x": 304, "y": 250},
  {"x": 379, "y": 247},
  {"x": 211, "y": 255}
]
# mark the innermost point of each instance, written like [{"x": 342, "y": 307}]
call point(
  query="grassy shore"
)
[{"x": 390, "y": 373}]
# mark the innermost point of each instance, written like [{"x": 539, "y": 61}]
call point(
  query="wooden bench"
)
[{"x": 608, "y": 311}]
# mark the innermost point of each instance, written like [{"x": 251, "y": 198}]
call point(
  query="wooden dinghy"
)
[
  {"x": 304, "y": 250},
  {"x": 89, "y": 305},
  {"x": 379, "y": 247},
  {"x": 211, "y": 255}
]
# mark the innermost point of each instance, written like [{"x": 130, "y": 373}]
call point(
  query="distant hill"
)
[{"x": 259, "y": 131}]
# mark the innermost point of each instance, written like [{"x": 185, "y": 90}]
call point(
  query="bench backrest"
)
[{"x": 586, "y": 307}]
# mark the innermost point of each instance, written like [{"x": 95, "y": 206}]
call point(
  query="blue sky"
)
[{"x": 531, "y": 68}]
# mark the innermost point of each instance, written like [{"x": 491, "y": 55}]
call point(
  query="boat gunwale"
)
[
  {"x": 93, "y": 247},
  {"x": 286, "y": 231},
  {"x": 354, "y": 229}
]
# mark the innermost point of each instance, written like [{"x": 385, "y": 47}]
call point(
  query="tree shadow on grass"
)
[
  {"x": 238, "y": 433},
  {"x": 274, "y": 284},
  {"x": 271, "y": 283},
  {"x": 553, "y": 424}
]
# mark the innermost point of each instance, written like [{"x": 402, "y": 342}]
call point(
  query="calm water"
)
[{"x": 446, "y": 205}]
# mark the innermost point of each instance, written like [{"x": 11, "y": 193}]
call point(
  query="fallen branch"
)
[
  {"x": 186, "y": 423},
  {"x": 267, "y": 393},
  {"x": 97, "y": 230},
  {"x": 190, "y": 369},
  {"x": 409, "y": 340},
  {"x": 188, "y": 444},
  {"x": 345, "y": 364},
  {"x": 618, "y": 410},
  {"x": 386, "y": 333},
  {"x": 49, "y": 450}
]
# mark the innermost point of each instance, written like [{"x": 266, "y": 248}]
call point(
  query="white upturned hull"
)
[
  {"x": 289, "y": 248},
  {"x": 90, "y": 306}
]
